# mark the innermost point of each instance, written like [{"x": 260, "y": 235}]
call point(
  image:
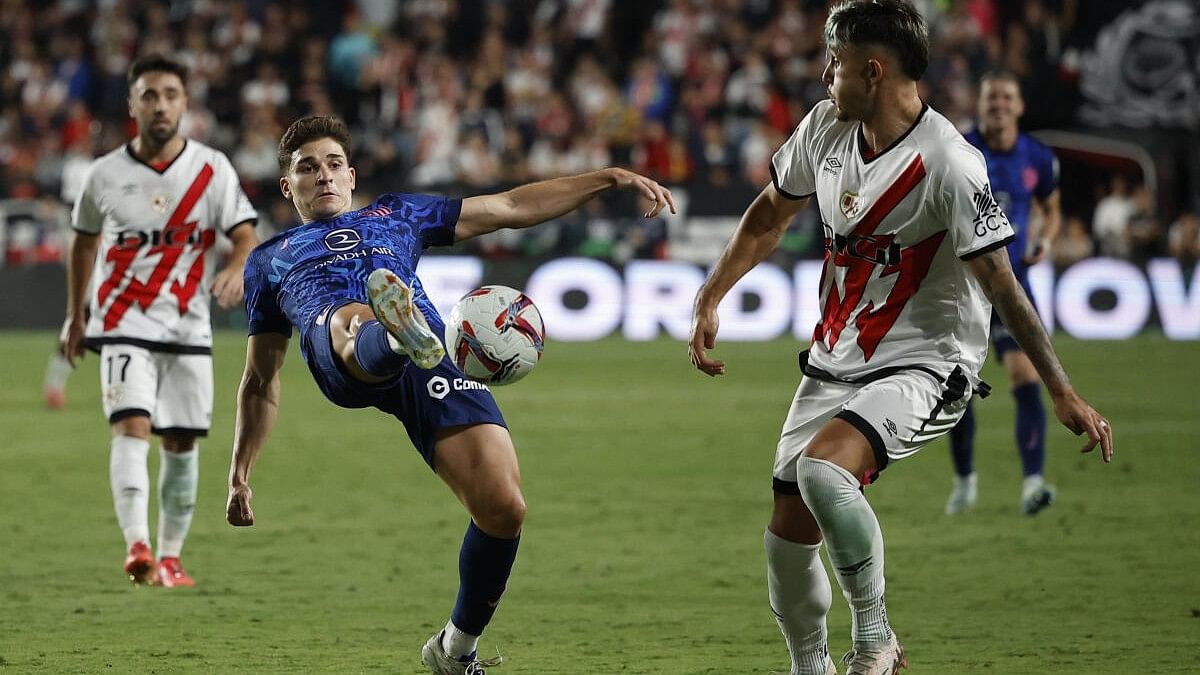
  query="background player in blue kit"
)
[
  {"x": 323, "y": 277},
  {"x": 1024, "y": 178}
]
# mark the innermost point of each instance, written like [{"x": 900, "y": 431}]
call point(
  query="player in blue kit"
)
[
  {"x": 1024, "y": 178},
  {"x": 346, "y": 281}
]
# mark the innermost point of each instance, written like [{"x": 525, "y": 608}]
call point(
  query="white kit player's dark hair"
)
[
  {"x": 895, "y": 24},
  {"x": 157, "y": 63}
]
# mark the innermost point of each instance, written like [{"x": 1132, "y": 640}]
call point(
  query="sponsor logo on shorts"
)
[{"x": 439, "y": 387}]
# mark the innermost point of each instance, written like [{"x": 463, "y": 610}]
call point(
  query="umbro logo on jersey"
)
[
  {"x": 342, "y": 240},
  {"x": 833, "y": 165}
]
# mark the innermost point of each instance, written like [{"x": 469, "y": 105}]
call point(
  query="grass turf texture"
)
[{"x": 648, "y": 488}]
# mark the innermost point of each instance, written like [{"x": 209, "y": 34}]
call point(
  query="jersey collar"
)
[
  {"x": 139, "y": 160},
  {"x": 862, "y": 141}
]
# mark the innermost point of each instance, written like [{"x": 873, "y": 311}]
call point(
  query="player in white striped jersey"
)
[
  {"x": 914, "y": 250},
  {"x": 148, "y": 217}
]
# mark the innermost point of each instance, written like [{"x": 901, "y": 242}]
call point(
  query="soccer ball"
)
[{"x": 495, "y": 335}]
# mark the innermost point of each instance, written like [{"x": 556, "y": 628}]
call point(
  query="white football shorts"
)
[
  {"x": 899, "y": 414},
  {"x": 175, "y": 390}
]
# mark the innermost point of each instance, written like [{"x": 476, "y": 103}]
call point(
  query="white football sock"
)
[
  {"x": 178, "y": 475},
  {"x": 58, "y": 369},
  {"x": 854, "y": 542},
  {"x": 456, "y": 643},
  {"x": 130, "y": 480},
  {"x": 800, "y": 596}
]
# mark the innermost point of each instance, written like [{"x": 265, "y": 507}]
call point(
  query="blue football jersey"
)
[
  {"x": 1028, "y": 170},
  {"x": 297, "y": 274}
]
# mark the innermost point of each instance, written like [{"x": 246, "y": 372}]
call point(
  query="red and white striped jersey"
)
[
  {"x": 156, "y": 258},
  {"x": 898, "y": 224}
]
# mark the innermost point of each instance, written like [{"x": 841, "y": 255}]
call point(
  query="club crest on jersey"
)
[
  {"x": 342, "y": 240},
  {"x": 160, "y": 202},
  {"x": 851, "y": 205}
]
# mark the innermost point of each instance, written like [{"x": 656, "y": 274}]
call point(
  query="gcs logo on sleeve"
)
[{"x": 989, "y": 217}]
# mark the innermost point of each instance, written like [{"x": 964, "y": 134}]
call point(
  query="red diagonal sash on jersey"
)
[
  {"x": 863, "y": 252},
  {"x": 184, "y": 292},
  {"x": 174, "y": 236},
  {"x": 873, "y": 323}
]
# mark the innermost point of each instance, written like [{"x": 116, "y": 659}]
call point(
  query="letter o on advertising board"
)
[
  {"x": 599, "y": 316},
  {"x": 1081, "y": 281}
]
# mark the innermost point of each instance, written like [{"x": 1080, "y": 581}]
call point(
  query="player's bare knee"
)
[
  {"x": 840, "y": 443},
  {"x": 178, "y": 442},
  {"x": 137, "y": 426},
  {"x": 501, "y": 516},
  {"x": 791, "y": 520}
]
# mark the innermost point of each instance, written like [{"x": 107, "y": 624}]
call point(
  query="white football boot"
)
[
  {"x": 392, "y": 302},
  {"x": 1036, "y": 495},
  {"x": 876, "y": 658},
  {"x": 963, "y": 495},
  {"x": 441, "y": 663}
]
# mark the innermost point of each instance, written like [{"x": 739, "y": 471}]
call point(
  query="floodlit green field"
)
[{"x": 648, "y": 487}]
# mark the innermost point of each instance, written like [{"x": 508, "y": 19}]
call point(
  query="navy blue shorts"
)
[{"x": 425, "y": 401}]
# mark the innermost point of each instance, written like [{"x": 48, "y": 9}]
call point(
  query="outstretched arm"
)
[
  {"x": 228, "y": 284},
  {"x": 257, "y": 405},
  {"x": 994, "y": 273},
  {"x": 757, "y": 236},
  {"x": 536, "y": 203},
  {"x": 79, "y": 273}
]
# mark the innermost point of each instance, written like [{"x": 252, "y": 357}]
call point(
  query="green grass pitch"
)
[{"x": 648, "y": 488}]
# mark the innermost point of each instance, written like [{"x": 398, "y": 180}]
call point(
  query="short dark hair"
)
[
  {"x": 895, "y": 24},
  {"x": 308, "y": 129},
  {"x": 157, "y": 63}
]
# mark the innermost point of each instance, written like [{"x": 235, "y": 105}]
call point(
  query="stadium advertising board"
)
[{"x": 584, "y": 299}]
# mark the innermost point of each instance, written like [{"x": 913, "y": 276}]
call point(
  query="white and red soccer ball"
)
[{"x": 495, "y": 335}]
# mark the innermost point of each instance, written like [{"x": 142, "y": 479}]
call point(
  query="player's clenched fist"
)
[{"x": 238, "y": 511}]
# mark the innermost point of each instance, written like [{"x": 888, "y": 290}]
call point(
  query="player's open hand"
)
[
  {"x": 1080, "y": 418},
  {"x": 238, "y": 511},
  {"x": 70, "y": 341},
  {"x": 228, "y": 286},
  {"x": 650, "y": 189},
  {"x": 704, "y": 337}
]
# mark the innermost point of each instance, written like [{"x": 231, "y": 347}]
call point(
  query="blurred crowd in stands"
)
[{"x": 468, "y": 96}]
